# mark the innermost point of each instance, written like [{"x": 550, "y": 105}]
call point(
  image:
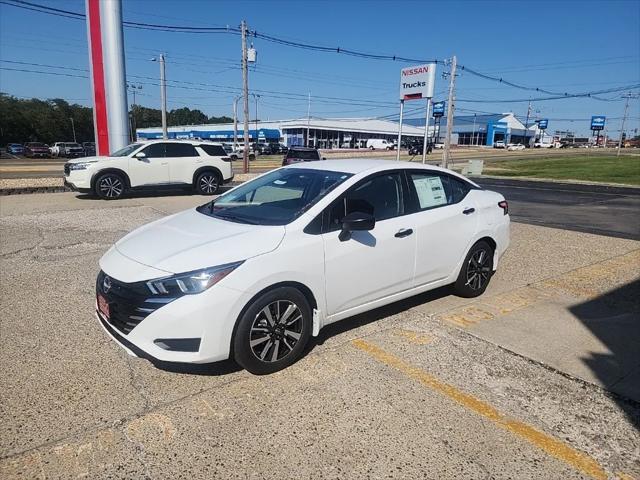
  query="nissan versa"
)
[{"x": 256, "y": 272}]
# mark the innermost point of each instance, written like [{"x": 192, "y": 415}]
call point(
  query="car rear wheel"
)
[
  {"x": 476, "y": 271},
  {"x": 207, "y": 183},
  {"x": 110, "y": 186},
  {"x": 273, "y": 331}
]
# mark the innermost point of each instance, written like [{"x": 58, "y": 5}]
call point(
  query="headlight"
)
[
  {"x": 79, "y": 166},
  {"x": 191, "y": 282}
]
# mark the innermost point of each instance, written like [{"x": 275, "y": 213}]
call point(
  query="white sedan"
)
[
  {"x": 515, "y": 147},
  {"x": 257, "y": 272}
]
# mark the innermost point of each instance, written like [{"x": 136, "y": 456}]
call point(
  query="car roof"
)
[
  {"x": 305, "y": 149},
  {"x": 359, "y": 165}
]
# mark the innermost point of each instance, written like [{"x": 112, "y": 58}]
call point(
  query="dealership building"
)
[
  {"x": 354, "y": 132},
  {"x": 321, "y": 133},
  {"x": 483, "y": 129}
]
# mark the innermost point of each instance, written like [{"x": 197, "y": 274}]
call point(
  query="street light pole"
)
[
  {"x": 73, "y": 127},
  {"x": 245, "y": 94},
  {"x": 163, "y": 95},
  {"x": 235, "y": 122},
  {"x": 624, "y": 120}
]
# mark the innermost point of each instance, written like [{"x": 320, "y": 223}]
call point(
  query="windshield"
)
[
  {"x": 277, "y": 198},
  {"x": 128, "y": 150},
  {"x": 72, "y": 145},
  {"x": 303, "y": 154},
  {"x": 36, "y": 144}
]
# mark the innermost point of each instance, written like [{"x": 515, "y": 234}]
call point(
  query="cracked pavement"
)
[{"x": 515, "y": 384}]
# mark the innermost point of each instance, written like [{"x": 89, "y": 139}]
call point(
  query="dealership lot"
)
[{"x": 510, "y": 385}]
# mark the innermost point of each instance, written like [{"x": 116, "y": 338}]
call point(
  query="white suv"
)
[{"x": 203, "y": 166}]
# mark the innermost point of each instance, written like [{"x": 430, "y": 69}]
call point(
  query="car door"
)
[
  {"x": 445, "y": 220},
  {"x": 183, "y": 160},
  {"x": 150, "y": 169},
  {"x": 375, "y": 264}
]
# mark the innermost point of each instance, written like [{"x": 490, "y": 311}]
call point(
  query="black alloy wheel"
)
[{"x": 476, "y": 271}]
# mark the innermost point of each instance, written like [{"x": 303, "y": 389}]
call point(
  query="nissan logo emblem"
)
[{"x": 106, "y": 284}]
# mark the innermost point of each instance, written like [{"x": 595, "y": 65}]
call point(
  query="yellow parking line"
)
[
  {"x": 416, "y": 338},
  {"x": 554, "y": 447}
]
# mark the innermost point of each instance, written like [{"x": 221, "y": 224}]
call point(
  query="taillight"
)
[{"x": 504, "y": 205}]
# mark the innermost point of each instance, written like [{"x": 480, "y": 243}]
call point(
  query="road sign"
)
[
  {"x": 543, "y": 124},
  {"x": 438, "y": 109},
  {"x": 417, "y": 82},
  {"x": 597, "y": 122}
]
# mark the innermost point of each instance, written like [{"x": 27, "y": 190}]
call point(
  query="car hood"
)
[{"x": 190, "y": 240}]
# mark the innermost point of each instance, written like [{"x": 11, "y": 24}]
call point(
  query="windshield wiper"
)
[{"x": 232, "y": 217}]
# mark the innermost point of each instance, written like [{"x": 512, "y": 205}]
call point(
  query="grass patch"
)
[{"x": 595, "y": 168}]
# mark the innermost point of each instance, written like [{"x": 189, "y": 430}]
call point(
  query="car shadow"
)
[
  {"x": 175, "y": 192},
  {"x": 379, "y": 313},
  {"x": 614, "y": 318}
]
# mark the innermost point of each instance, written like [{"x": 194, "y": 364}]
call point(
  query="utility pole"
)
[
  {"x": 308, "y": 118},
  {"x": 526, "y": 125},
  {"x": 245, "y": 94},
  {"x": 73, "y": 127},
  {"x": 163, "y": 96},
  {"x": 473, "y": 135},
  {"x": 452, "y": 85},
  {"x": 624, "y": 120},
  {"x": 235, "y": 122}
]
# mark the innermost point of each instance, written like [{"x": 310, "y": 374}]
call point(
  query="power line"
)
[{"x": 306, "y": 46}]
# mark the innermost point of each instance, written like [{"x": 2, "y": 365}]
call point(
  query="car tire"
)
[
  {"x": 476, "y": 271},
  {"x": 110, "y": 186},
  {"x": 262, "y": 343},
  {"x": 371, "y": 148},
  {"x": 208, "y": 183}
]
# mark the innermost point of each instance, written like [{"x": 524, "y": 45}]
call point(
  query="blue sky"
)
[{"x": 570, "y": 46}]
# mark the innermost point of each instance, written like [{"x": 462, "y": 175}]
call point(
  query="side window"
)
[
  {"x": 429, "y": 188},
  {"x": 181, "y": 150},
  {"x": 155, "y": 151},
  {"x": 213, "y": 150},
  {"x": 380, "y": 196},
  {"x": 457, "y": 190},
  {"x": 435, "y": 190}
]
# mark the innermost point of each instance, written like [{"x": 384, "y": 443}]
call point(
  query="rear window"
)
[
  {"x": 304, "y": 154},
  {"x": 214, "y": 150}
]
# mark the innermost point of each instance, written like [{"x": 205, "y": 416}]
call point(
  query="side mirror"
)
[
  {"x": 356, "y": 221},
  {"x": 324, "y": 158},
  {"x": 140, "y": 155}
]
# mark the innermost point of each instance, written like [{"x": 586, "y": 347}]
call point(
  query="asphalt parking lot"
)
[{"x": 538, "y": 378}]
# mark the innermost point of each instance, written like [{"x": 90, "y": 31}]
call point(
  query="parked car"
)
[
  {"x": 15, "y": 149},
  {"x": 380, "y": 144},
  {"x": 267, "y": 148},
  {"x": 271, "y": 262},
  {"x": 152, "y": 165},
  {"x": 301, "y": 154},
  {"x": 67, "y": 149},
  {"x": 36, "y": 149},
  {"x": 499, "y": 144},
  {"x": 89, "y": 149},
  {"x": 438, "y": 146},
  {"x": 417, "y": 148},
  {"x": 515, "y": 146}
]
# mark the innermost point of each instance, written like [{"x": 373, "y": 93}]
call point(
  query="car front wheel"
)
[
  {"x": 476, "y": 271},
  {"x": 273, "y": 331},
  {"x": 110, "y": 186}
]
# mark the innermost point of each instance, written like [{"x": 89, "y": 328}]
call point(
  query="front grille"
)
[
  {"x": 67, "y": 169},
  {"x": 129, "y": 303}
]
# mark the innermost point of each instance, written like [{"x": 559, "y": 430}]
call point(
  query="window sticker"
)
[{"x": 430, "y": 191}]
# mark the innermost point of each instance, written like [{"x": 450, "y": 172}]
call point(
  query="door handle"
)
[
  {"x": 468, "y": 211},
  {"x": 404, "y": 232}
]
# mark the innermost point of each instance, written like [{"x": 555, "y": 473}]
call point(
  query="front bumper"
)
[
  {"x": 208, "y": 317},
  {"x": 73, "y": 187}
]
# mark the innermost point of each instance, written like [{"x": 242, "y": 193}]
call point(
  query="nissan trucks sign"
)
[{"x": 417, "y": 82}]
